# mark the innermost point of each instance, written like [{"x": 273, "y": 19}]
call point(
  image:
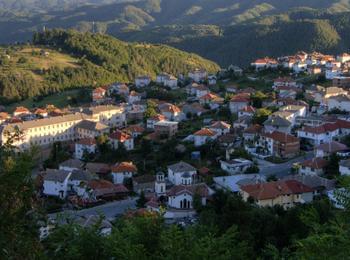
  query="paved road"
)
[
  {"x": 282, "y": 169},
  {"x": 109, "y": 210}
]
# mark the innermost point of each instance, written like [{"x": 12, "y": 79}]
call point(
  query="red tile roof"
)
[
  {"x": 87, "y": 141},
  {"x": 4, "y": 115},
  {"x": 248, "y": 109},
  {"x": 253, "y": 129},
  {"x": 328, "y": 127},
  {"x": 120, "y": 136},
  {"x": 265, "y": 61},
  {"x": 99, "y": 90},
  {"x": 103, "y": 187},
  {"x": 158, "y": 117},
  {"x": 316, "y": 163},
  {"x": 281, "y": 137},
  {"x": 134, "y": 129},
  {"x": 39, "y": 111},
  {"x": 242, "y": 97},
  {"x": 169, "y": 108},
  {"x": 272, "y": 190},
  {"x": 220, "y": 125},
  {"x": 205, "y": 132},
  {"x": 124, "y": 167},
  {"x": 22, "y": 110}
]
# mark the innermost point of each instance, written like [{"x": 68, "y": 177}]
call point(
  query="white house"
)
[
  {"x": 134, "y": 97},
  {"x": 212, "y": 80},
  {"x": 238, "y": 102},
  {"x": 198, "y": 75},
  {"x": 236, "y": 166},
  {"x": 220, "y": 127},
  {"x": 120, "y": 137},
  {"x": 182, "y": 196},
  {"x": 123, "y": 171},
  {"x": 313, "y": 166},
  {"x": 142, "y": 81},
  {"x": 175, "y": 172},
  {"x": 155, "y": 119},
  {"x": 341, "y": 102},
  {"x": 87, "y": 145},
  {"x": 167, "y": 80},
  {"x": 265, "y": 63},
  {"x": 320, "y": 134},
  {"x": 56, "y": 183},
  {"x": 204, "y": 135},
  {"x": 344, "y": 57},
  {"x": 344, "y": 167},
  {"x": 333, "y": 72},
  {"x": 246, "y": 111},
  {"x": 326, "y": 149},
  {"x": 171, "y": 112},
  {"x": 299, "y": 67}
]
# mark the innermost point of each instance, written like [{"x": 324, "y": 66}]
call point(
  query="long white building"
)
[{"x": 43, "y": 132}]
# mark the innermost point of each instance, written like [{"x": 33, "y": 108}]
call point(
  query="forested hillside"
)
[
  {"x": 227, "y": 31},
  {"x": 273, "y": 35},
  {"x": 71, "y": 59}
]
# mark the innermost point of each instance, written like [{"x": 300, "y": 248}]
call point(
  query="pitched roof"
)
[
  {"x": 80, "y": 175},
  {"x": 313, "y": 181},
  {"x": 4, "y": 115},
  {"x": 92, "y": 126},
  {"x": 87, "y": 141},
  {"x": 332, "y": 147},
  {"x": 241, "y": 98},
  {"x": 169, "y": 108},
  {"x": 220, "y": 125},
  {"x": 181, "y": 167},
  {"x": 124, "y": 167},
  {"x": 281, "y": 137},
  {"x": 277, "y": 121},
  {"x": 253, "y": 129},
  {"x": 200, "y": 189},
  {"x": 205, "y": 132},
  {"x": 248, "y": 109},
  {"x": 134, "y": 129},
  {"x": 316, "y": 163},
  {"x": 158, "y": 117},
  {"x": 99, "y": 90},
  {"x": 146, "y": 178},
  {"x": 56, "y": 175},
  {"x": 72, "y": 163},
  {"x": 120, "y": 136},
  {"x": 21, "y": 110},
  {"x": 271, "y": 190},
  {"x": 328, "y": 127},
  {"x": 40, "y": 111},
  {"x": 103, "y": 187}
]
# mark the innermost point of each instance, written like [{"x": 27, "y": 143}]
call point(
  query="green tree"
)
[
  {"x": 261, "y": 115},
  {"x": 141, "y": 202},
  {"x": 19, "y": 212}
]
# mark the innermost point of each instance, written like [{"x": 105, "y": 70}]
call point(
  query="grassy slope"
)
[{"x": 36, "y": 62}]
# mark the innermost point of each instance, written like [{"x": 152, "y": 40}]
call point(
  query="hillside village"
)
[{"x": 277, "y": 133}]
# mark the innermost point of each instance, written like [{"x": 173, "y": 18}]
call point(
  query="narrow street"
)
[{"x": 282, "y": 169}]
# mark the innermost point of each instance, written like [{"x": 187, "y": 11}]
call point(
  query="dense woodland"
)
[
  {"x": 100, "y": 59},
  {"x": 226, "y": 31}
]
